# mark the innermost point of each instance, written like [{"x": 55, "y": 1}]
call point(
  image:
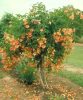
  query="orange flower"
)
[
  {"x": 1, "y": 50},
  {"x": 68, "y": 31},
  {"x": 47, "y": 62},
  {"x": 36, "y": 22},
  {"x": 14, "y": 45},
  {"x": 13, "y": 48},
  {"x": 27, "y": 52},
  {"x": 81, "y": 16},
  {"x": 8, "y": 37},
  {"x": 31, "y": 30},
  {"x": 42, "y": 42},
  {"x": 31, "y": 64},
  {"x": 29, "y": 34},
  {"x": 42, "y": 29},
  {"x": 56, "y": 37},
  {"x": 25, "y": 21},
  {"x": 3, "y": 61},
  {"x": 43, "y": 46},
  {"x": 29, "y": 55},
  {"x": 14, "y": 42},
  {"x": 27, "y": 26},
  {"x": 72, "y": 17},
  {"x": 38, "y": 50},
  {"x": 66, "y": 11}
]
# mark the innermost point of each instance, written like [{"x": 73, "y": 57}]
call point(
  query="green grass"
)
[
  {"x": 76, "y": 57},
  {"x": 74, "y": 77},
  {"x": 76, "y": 60}
]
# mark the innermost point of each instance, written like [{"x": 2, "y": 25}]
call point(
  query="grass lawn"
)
[
  {"x": 76, "y": 57},
  {"x": 76, "y": 60},
  {"x": 74, "y": 77}
]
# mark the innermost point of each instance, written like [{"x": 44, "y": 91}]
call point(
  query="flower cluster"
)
[
  {"x": 63, "y": 35},
  {"x": 41, "y": 42},
  {"x": 81, "y": 15},
  {"x": 38, "y": 46},
  {"x": 13, "y": 42},
  {"x": 25, "y": 23},
  {"x": 72, "y": 14},
  {"x": 8, "y": 62}
]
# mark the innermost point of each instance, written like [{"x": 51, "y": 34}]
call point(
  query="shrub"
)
[
  {"x": 40, "y": 41},
  {"x": 25, "y": 73}
]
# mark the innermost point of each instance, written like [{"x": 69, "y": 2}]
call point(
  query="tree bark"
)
[
  {"x": 42, "y": 77},
  {"x": 41, "y": 73}
]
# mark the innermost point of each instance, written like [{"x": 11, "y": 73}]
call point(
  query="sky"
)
[{"x": 23, "y": 6}]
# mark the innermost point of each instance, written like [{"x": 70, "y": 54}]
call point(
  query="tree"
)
[
  {"x": 42, "y": 42},
  {"x": 75, "y": 17}
]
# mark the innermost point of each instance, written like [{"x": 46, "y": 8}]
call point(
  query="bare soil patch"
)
[
  {"x": 73, "y": 69},
  {"x": 78, "y": 44},
  {"x": 11, "y": 89}
]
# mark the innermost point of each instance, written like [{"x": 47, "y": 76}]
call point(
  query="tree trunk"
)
[
  {"x": 42, "y": 77},
  {"x": 41, "y": 73}
]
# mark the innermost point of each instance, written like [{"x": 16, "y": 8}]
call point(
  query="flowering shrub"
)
[
  {"x": 76, "y": 21},
  {"x": 41, "y": 43}
]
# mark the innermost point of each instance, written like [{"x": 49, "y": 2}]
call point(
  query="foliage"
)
[
  {"x": 68, "y": 16},
  {"x": 41, "y": 40},
  {"x": 39, "y": 36},
  {"x": 77, "y": 21},
  {"x": 25, "y": 73}
]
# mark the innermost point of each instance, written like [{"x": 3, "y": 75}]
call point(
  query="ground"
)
[
  {"x": 73, "y": 69},
  {"x": 11, "y": 89}
]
